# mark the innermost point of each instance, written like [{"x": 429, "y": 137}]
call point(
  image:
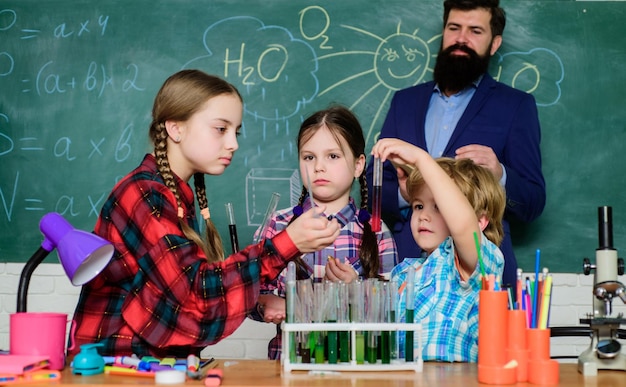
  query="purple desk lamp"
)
[{"x": 82, "y": 254}]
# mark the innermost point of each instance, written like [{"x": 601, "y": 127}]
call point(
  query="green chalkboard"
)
[{"x": 78, "y": 77}]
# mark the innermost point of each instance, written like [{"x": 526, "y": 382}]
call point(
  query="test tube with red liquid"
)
[{"x": 377, "y": 195}]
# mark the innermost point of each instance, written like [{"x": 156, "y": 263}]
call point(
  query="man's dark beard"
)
[{"x": 453, "y": 73}]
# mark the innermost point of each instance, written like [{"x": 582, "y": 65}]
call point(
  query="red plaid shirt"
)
[{"x": 159, "y": 296}]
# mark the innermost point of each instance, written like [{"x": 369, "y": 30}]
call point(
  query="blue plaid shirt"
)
[{"x": 446, "y": 306}]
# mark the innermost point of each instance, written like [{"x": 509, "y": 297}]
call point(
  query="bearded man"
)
[{"x": 465, "y": 113}]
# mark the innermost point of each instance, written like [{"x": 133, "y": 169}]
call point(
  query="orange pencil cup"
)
[
  {"x": 541, "y": 369},
  {"x": 493, "y": 363},
  {"x": 517, "y": 348}
]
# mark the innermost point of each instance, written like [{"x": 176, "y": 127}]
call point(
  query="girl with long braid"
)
[
  {"x": 168, "y": 292},
  {"x": 331, "y": 150}
]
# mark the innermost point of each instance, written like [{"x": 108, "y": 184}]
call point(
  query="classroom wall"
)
[{"x": 50, "y": 290}]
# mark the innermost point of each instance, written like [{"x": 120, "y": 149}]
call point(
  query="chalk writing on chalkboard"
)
[
  {"x": 79, "y": 78},
  {"x": 265, "y": 61}
]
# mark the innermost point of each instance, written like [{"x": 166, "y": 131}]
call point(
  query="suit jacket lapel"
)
[
  {"x": 423, "y": 99},
  {"x": 480, "y": 96}
]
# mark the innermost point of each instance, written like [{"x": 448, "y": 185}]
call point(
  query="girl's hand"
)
[
  {"x": 312, "y": 232},
  {"x": 339, "y": 271},
  {"x": 274, "y": 309}
]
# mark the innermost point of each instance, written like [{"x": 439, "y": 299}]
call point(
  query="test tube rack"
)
[{"x": 352, "y": 327}]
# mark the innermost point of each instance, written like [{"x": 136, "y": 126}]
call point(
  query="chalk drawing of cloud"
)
[{"x": 275, "y": 72}]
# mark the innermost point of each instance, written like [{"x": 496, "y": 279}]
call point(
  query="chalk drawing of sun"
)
[{"x": 400, "y": 60}]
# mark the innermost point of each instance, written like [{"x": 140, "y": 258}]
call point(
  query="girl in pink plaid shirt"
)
[{"x": 331, "y": 150}]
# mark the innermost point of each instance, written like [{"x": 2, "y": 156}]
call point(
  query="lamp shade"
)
[{"x": 82, "y": 254}]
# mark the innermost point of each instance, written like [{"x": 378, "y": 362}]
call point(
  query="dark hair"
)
[
  {"x": 498, "y": 16},
  {"x": 183, "y": 94},
  {"x": 342, "y": 123}
]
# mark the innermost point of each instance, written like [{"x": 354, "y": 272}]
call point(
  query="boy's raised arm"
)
[{"x": 451, "y": 202}]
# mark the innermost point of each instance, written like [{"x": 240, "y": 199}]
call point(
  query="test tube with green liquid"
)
[
  {"x": 373, "y": 316},
  {"x": 358, "y": 315},
  {"x": 290, "y": 293},
  {"x": 319, "y": 307},
  {"x": 331, "y": 317},
  {"x": 366, "y": 313},
  {"x": 385, "y": 336},
  {"x": 305, "y": 295},
  {"x": 410, "y": 300},
  {"x": 391, "y": 316},
  {"x": 343, "y": 316}
]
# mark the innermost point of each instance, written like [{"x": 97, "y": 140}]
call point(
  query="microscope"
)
[{"x": 605, "y": 351}]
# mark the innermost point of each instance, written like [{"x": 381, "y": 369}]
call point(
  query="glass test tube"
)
[
  {"x": 305, "y": 295},
  {"x": 291, "y": 307},
  {"x": 318, "y": 309},
  {"x": 377, "y": 195},
  {"x": 343, "y": 316},
  {"x": 310, "y": 189},
  {"x": 385, "y": 336},
  {"x": 331, "y": 317},
  {"x": 410, "y": 299},
  {"x": 271, "y": 207},
  {"x": 393, "y": 300},
  {"x": 372, "y": 316},
  {"x": 358, "y": 315},
  {"x": 232, "y": 228}
]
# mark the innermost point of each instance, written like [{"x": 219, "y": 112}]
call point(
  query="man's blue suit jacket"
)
[{"x": 498, "y": 116}]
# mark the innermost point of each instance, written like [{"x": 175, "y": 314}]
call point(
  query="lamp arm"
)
[{"x": 27, "y": 272}]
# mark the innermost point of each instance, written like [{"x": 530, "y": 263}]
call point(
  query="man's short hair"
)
[{"x": 498, "y": 17}]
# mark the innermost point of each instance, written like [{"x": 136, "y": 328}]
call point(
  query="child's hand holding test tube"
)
[
  {"x": 305, "y": 234},
  {"x": 312, "y": 232}
]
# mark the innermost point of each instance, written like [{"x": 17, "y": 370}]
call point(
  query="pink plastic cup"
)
[{"x": 40, "y": 334}]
